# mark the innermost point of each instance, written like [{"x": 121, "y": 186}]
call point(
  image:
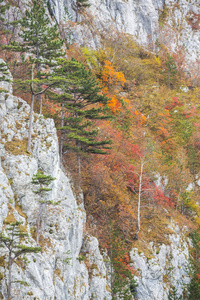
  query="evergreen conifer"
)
[
  {"x": 43, "y": 45},
  {"x": 82, "y": 104},
  {"x": 4, "y": 6},
  {"x": 11, "y": 239},
  {"x": 43, "y": 181}
]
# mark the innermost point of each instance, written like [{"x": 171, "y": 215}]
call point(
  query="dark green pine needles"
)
[{"x": 82, "y": 104}]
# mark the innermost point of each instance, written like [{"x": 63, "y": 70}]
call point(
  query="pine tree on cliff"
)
[
  {"x": 79, "y": 6},
  {"x": 43, "y": 44},
  {"x": 4, "y": 6},
  {"x": 40, "y": 40},
  {"x": 3, "y": 74},
  {"x": 43, "y": 181},
  {"x": 10, "y": 241},
  {"x": 82, "y": 104}
]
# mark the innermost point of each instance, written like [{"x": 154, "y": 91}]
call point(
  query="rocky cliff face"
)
[
  {"x": 144, "y": 19},
  {"x": 70, "y": 265},
  {"x": 165, "y": 268}
]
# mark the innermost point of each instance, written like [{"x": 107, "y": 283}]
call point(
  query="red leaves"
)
[
  {"x": 161, "y": 199},
  {"x": 174, "y": 103},
  {"x": 190, "y": 113}
]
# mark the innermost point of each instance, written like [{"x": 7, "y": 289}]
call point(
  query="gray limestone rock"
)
[
  {"x": 140, "y": 18},
  {"x": 167, "y": 267},
  {"x": 56, "y": 272}
]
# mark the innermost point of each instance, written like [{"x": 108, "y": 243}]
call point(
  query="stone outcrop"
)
[
  {"x": 61, "y": 270},
  {"x": 70, "y": 265},
  {"x": 165, "y": 268},
  {"x": 142, "y": 18}
]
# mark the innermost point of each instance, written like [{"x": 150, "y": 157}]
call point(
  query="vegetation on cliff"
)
[{"x": 151, "y": 174}]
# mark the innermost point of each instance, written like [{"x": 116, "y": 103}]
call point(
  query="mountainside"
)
[
  {"x": 173, "y": 23},
  {"x": 99, "y": 150},
  {"x": 70, "y": 265}
]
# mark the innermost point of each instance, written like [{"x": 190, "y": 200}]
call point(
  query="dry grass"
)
[
  {"x": 18, "y": 208},
  {"x": 58, "y": 273},
  {"x": 2, "y": 261},
  {"x": 155, "y": 228},
  {"x": 17, "y": 147},
  {"x": 10, "y": 217},
  {"x": 18, "y": 125},
  {"x": 45, "y": 243}
]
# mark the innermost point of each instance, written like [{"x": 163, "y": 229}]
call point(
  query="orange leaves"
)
[
  {"x": 163, "y": 128},
  {"x": 110, "y": 76},
  {"x": 114, "y": 104},
  {"x": 53, "y": 108},
  {"x": 162, "y": 131},
  {"x": 140, "y": 118},
  {"x": 112, "y": 81}
]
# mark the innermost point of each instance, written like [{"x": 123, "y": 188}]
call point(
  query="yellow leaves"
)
[
  {"x": 90, "y": 56},
  {"x": 126, "y": 100},
  {"x": 198, "y": 221},
  {"x": 157, "y": 61}
]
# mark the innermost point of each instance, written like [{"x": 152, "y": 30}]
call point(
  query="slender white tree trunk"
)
[
  {"x": 40, "y": 99},
  {"x": 9, "y": 274},
  {"x": 139, "y": 196},
  {"x": 61, "y": 133},
  {"x": 30, "y": 124},
  {"x": 30, "y": 118},
  {"x": 38, "y": 224}
]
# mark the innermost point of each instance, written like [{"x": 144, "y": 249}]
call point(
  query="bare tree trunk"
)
[
  {"x": 77, "y": 12},
  {"x": 30, "y": 124},
  {"x": 9, "y": 274},
  {"x": 31, "y": 117},
  {"x": 38, "y": 224},
  {"x": 40, "y": 100},
  {"x": 61, "y": 133},
  {"x": 139, "y": 196},
  {"x": 79, "y": 164},
  {"x": 112, "y": 272},
  {"x": 39, "y": 97},
  {"x": 169, "y": 83}
]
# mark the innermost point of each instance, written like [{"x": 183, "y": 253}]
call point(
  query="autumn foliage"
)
[{"x": 154, "y": 122}]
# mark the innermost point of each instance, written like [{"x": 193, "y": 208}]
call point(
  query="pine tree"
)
[
  {"x": 194, "y": 287},
  {"x": 43, "y": 44},
  {"x": 79, "y": 6},
  {"x": 4, "y": 6},
  {"x": 40, "y": 40},
  {"x": 3, "y": 74},
  {"x": 123, "y": 285},
  {"x": 81, "y": 100},
  {"x": 43, "y": 181},
  {"x": 171, "y": 69},
  {"x": 11, "y": 239}
]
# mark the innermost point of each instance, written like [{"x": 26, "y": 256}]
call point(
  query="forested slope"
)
[{"x": 128, "y": 124}]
